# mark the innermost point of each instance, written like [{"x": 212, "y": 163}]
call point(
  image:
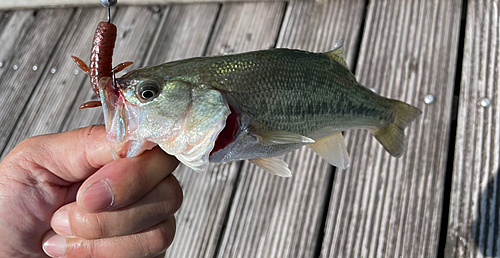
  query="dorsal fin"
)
[{"x": 337, "y": 54}]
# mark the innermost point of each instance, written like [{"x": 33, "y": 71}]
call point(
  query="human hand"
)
[{"x": 97, "y": 206}]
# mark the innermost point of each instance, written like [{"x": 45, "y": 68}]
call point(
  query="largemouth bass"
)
[{"x": 257, "y": 106}]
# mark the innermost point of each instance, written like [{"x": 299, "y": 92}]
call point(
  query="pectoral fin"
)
[
  {"x": 274, "y": 165},
  {"x": 283, "y": 137},
  {"x": 332, "y": 148}
]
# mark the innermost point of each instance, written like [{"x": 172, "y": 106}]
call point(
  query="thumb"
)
[{"x": 72, "y": 156}]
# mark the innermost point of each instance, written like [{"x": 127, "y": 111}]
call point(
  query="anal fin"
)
[
  {"x": 274, "y": 165},
  {"x": 332, "y": 148}
]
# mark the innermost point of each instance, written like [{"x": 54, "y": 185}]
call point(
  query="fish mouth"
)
[{"x": 121, "y": 120}]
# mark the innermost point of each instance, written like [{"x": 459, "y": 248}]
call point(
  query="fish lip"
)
[
  {"x": 120, "y": 121},
  {"x": 131, "y": 148}
]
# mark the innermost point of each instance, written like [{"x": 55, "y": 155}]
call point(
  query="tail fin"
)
[{"x": 392, "y": 135}]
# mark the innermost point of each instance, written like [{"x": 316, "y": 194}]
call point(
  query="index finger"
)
[{"x": 72, "y": 156}]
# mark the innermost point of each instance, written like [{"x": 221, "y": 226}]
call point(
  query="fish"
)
[{"x": 255, "y": 106}]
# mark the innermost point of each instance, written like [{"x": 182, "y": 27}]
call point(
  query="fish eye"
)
[{"x": 148, "y": 90}]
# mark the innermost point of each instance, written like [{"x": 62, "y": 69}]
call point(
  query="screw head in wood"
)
[
  {"x": 76, "y": 71},
  {"x": 485, "y": 102},
  {"x": 35, "y": 67},
  {"x": 15, "y": 67},
  {"x": 53, "y": 70},
  {"x": 1, "y": 64},
  {"x": 429, "y": 99}
]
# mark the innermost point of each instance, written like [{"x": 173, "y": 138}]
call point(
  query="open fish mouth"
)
[{"x": 121, "y": 121}]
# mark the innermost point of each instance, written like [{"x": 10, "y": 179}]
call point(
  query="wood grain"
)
[
  {"x": 13, "y": 27},
  {"x": 208, "y": 195},
  {"x": 184, "y": 33},
  {"x": 282, "y": 217},
  {"x": 53, "y": 95},
  {"x": 33, "y": 45},
  {"x": 474, "y": 224},
  {"x": 16, "y": 4},
  {"x": 245, "y": 27},
  {"x": 383, "y": 206}
]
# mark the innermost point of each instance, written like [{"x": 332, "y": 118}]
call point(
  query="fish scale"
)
[
  {"x": 257, "y": 105},
  {"x": 297, "y": 91}
]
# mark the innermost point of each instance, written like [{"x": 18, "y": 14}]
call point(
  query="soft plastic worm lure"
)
[{"x": 101, "y": 55}]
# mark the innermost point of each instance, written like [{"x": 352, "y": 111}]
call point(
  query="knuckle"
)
[
  {"x": 83, "y": 248},
  {"x": 175, "y": 193},
  {"x": 93, "y": 249},
  {"x": 90, "y": 225},
  {"x": 29, "y": 147},
  {"x": 160, "y": 239},
  {"x": 85, "y": 134},
  {"x": 87, "y": 137},
  {"x": 30, "y": 153}
]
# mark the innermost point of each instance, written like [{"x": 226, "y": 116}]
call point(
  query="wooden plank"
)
[
  {"x": 13, "y": 27},
  {"x": 184, "y": 33},
  {"x": 136, "y": 29},
  {"x": 282, "y": 217},
  {"x": 232, "y": 35},
  {"x": 473, "y": 226},
  {"x": 32, "y": 47},
  {"x": 207, "y": 195},
  {"x": 16, "y": 4},
  {"x": 384, "y": 206},
  {"x": 201, "y": 217},
  {"x": 55, "y": 91}
]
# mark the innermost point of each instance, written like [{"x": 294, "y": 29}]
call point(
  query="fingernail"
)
[
  {"x": 55, "y": 246},
  {"x": 96, "y": 197},
  {"x": 60, "y": 223}
]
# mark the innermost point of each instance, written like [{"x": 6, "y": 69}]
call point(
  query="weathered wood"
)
[
  {"x": 208, "y": 195},
  {"x": 384, "y": 206},
  {"x": 184, "y": 33},
  {"x": 54, "y": 93},
  {"x": 257, "y": 23},
  {"x": 282, "y": 217},
  {"x": 13, "y": 28},
  {"x": 473, "y": 226},
  {"x": 136, "y": 29},
  {"x": 10, "y": 4},
  {"x": 32, "y": 46}
]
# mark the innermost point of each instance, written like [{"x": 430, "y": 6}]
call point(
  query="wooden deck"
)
[{"x": 442, "y": 198}]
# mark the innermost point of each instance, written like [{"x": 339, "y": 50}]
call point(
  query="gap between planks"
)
[{"x": 474, "y": 219}]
